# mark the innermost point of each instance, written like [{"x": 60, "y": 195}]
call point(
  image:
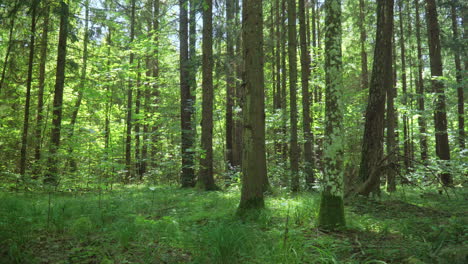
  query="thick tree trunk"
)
[
  {"x": 306, "y": 120},
  {"x": 331, "y": 213},
  {"x": 292, "y": 54},
  {"x": 24, "y": 138},
  {"x": 53, "y": 160},
  {"x": 420, "y": 88},
  {"x": 254, "y": 172},
  {"x": 372, "y": 149},
  {"x": 440, "y": 114},
  {"x": 188, "y": 174},
  {"x": 205, "y": 177}
]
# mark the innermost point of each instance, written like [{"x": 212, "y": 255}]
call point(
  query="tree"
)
[
  {"x": 440, "y": 114},
  {"x": 331, "y": 213},
  {"x": 306, "y": 120},
  {"x": 254, "y": 172},
  {"x": 292, "y": 55},
  {"x": 363, "y": 39},
  {"x": 24, "y": 138},
  {"x": 51, "y": 176},
  {"x": 12, "y": 16},
  {"x": 188, "y": 174},
  {"x": 230, "y": 81},
  {"x": 205, "y": 177},
  {"x": 372, "y": 149}
]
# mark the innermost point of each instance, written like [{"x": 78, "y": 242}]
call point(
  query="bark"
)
[
  {"x": 292, "y": 55},
  {"x": 40, "y": 93},
  {"x": 284, "y": 72},
  {"x": 306, "y": 120},
  {"x": 128, "y": 139},
  {"x": 440, "y": 114},
  {"x": 238, "y": 97},
  {"x": 459, "y": 78},
  {"x": 420, "y": 88},
  {"x": 52, "y": 174},
  {"x": 363, "y": 39},
  {"x": 372, "y": 149},
  {"x": 391, "y": 134},
  {"x": 205, "y": 177},
  {"x": 24, "y": 138},
  {"x": 230, "y": 82},
  {"x": 137, "y": 124},
  {"x": 254, "y": 173},
  {"x": 331, "y": 212},
  {"x": 188, "y": 174}
]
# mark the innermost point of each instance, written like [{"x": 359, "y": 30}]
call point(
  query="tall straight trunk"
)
[
  {"x": 391, "y": 122},
  {"x": 138, "y": 123},
  {"x": 205, "y": 177},
  {"x": 440, "y": 114},
  {"x": 81, "y": 87},
  {"x": 254, "y": 172},
  {"x": 10, "y": 42},
  {"x": 277, "y": 100},
  {"x": 52, "y": 177},
  {"x": 238, "y": 94},
  {"x": 372, "y": 149},
  {"x": 230, "y": 81},
  {"x": 284, "y": 118},
  {"x": 188, "y": 174},
  {"x": 363, "y": 39},
  {"x": 458, "y": 68},
  {"x": 273, "y": 51},
  {"x": 406, "y": 143},
  {"x": 420, "y": 88},
  {"x": 24, "y": 138},
  {"x": 128, "y": 139},
  {"x": 40, "y": 93},
  {"x": 306, "y": 120},
  {"x": 331, "y": 212},
  {"x": 194, "y": 8},
  {"x": 107, "y": 129},
  {"x": 155, "y": 87},
  {"x": 292, "y": 55}
]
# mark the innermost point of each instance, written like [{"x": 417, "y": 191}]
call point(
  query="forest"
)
[{"x": 233, "y": 131}]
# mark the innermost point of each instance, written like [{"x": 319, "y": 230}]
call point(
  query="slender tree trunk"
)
[
  {"x": 372, "y": 149},
  {"x": 128, "y": 139},
  {"x": 420, "y": 88},
  {"x": 155, "y": 94},
  {"x": 10, "y": 43},
  {"x": 254, "y": 170},
  {"x": 205, "y": 177},
  {"x": 107, "y": 129},
  {"x": 363, "y": 38},
  {"x": 188, "y": 174},
  {"x": 305, "y": 73},
  {"x": 52, "y": 174},
  {"x": 440, "y": 114},
  {"x": 237, "y": 144},
  {"x": 392, "y": 147},
  {"x": 138, "y": 123},
  {"x": 76, "y": 108},
  {"x": 230, "y": 82},
  {"x": 458, "y": 68},
  {"x": 279, "y": 77},
  {"x": 331, "y": 212},
  {"x": 292, "y": 54},
  {"x": 40, "y": 93},
  {"x": 24, "y": 138}
]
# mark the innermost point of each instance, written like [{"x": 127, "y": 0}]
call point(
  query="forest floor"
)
[{"x": 171, "y": 225}]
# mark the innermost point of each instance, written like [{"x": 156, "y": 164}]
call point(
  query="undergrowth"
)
[{"x": 170, "y": 225}]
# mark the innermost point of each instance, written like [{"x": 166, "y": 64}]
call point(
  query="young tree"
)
[
  {"x": 372, "y": 149},
  {"x": 188, "y": 174},
  {"x": 306, "y": 120},
  {"x": 12, "y": 16},
  {"x": 51, "y": 176},
  {"x": 254, "y": 172},
  {"x": 230, "y": 80},
  {"x": 24, "y": 138},
  {"x": 292, "y": 55},
  {"x": 205, "y": 177},
  {"x": 331, "y": 213},
  {"x": 128, "y": 139},
  {"x": 440, "y": 114}
]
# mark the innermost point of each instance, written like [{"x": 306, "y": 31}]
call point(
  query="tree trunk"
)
[
  {"x": 440, "y": 114},
  {"x": 331, "y": 212},
  {"x": 363, "y": 38},
  {"x": 458, "y": 68},
  {"x": 254, "y": 172},
  {"x": 52, "y": 174},
  {"x": 138, "y": 124},
  {"x": 372, "y": 149},
  {"x": 128, "y": 139},
  {"x": 292, "y": 54},
  {"x": 230, "y": 82},
  {"x": 24, "y": 138},
  {"x": 40, "y": 93},
  {"x": 391, "y": 122},
  {"x": 155, "y": 87},
  {"x": 205, "y": 177},
  {"x": 188, "y": 174},
  {"x": 306, "y": 121},
  {"x": 420, "y": 88},
  {"x": 284, "y": 72},
  {"x": 10, "y": 42}
]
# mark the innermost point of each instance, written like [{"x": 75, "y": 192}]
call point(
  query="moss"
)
[{"x": 331, "y": 213}]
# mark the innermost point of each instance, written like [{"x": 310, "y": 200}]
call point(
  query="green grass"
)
[{"x": 170, "y": 225}]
